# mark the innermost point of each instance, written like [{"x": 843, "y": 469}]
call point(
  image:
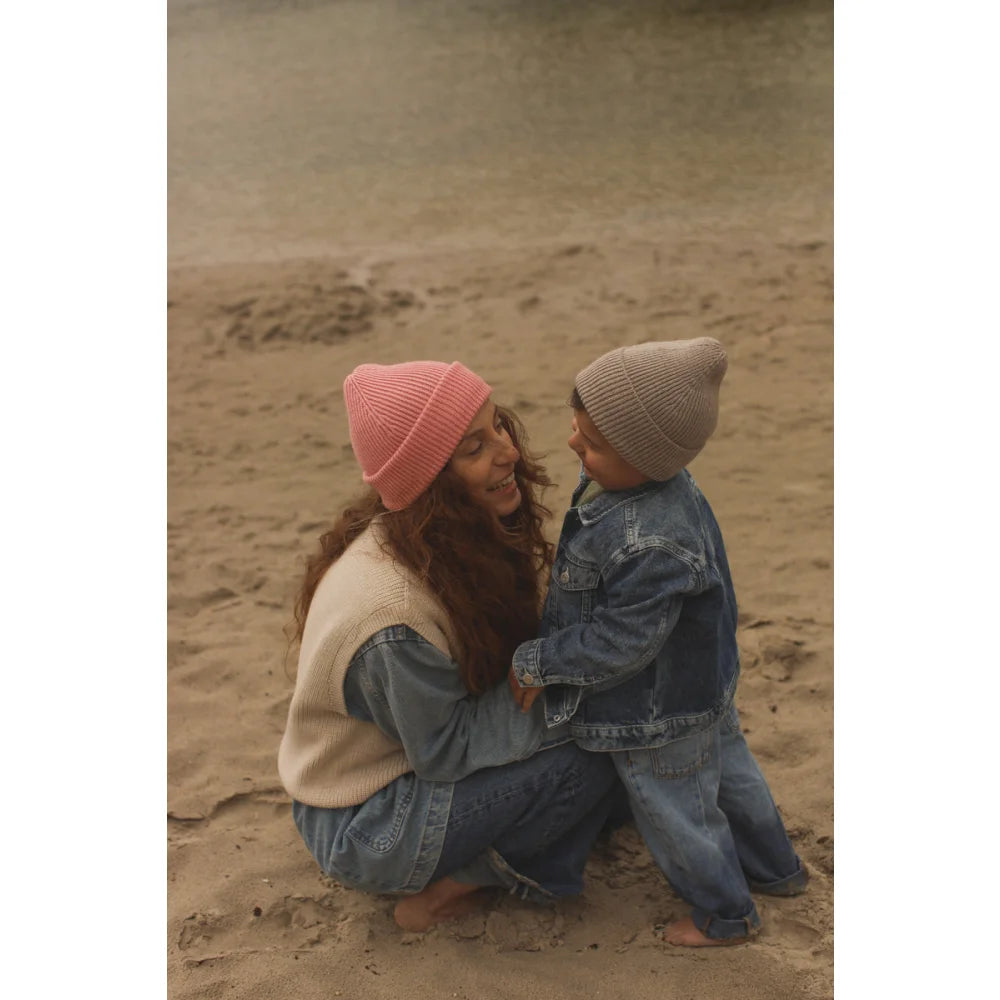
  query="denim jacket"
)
[
  {"x": 413, "y": 693},
  {"x": 638, "y": 640}
]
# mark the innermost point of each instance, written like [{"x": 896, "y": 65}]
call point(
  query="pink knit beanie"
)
[{"x": 406, "y": 420}]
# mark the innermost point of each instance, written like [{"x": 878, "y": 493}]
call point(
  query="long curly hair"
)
[{"x": 487, "y": 573}]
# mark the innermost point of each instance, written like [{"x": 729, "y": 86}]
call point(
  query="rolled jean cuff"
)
[
  {"x": 790, "y": 885},
  {"x": 721, "y": 928}
]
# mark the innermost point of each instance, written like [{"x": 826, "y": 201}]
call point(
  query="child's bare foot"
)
[
  {"x": 684, "y": 932},
  {"x": 441, "y": 900}
]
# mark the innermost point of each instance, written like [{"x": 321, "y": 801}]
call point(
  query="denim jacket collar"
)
[{"x": 591, "y": 513}]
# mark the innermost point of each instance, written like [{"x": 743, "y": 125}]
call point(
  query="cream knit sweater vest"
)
[{"x": 327, "y": 758}]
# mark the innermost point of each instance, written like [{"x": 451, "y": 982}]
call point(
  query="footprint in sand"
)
[
  {"x": 199, "y": 929},
  {"x": 790, "y": 932},
  {"x": 524, "y": 930},
  {"x": 776, "y": 654},
  {"x": 309, "y": 314},
  {"x": 780, "y": 657},
  {"x": 200, "y": 602},
  {"x": 179, "y": 651},
  {"x": 298, "y": 922},
  {"x": 307, "y": 922}
]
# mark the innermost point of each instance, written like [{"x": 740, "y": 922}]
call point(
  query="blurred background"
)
[{"x": 308, "y": 127}]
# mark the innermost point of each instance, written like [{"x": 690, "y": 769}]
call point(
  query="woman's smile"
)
[{"x": 504, "y": 484}]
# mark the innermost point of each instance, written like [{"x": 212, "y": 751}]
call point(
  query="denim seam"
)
[
  {"x": 702, "y": 756},
  {"x": 587, "y": 518},
  {"x": 426, "y": 861},
  {"x": 389, "y": 840},
  {"x": 654, "y": 730},
  {"x": 535, "y": 783},
  {"x": 645, "y": 656},
  {"x": 698, "y": 775},
  {"x": 392, "y": 633}
]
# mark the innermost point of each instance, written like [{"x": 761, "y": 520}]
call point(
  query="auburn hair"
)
[{"x": 488, "y": 573}]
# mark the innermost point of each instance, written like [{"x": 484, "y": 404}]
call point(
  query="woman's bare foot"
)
[
  {"x": 441, "y": 900},
  {"x": 684, "y": 932}
]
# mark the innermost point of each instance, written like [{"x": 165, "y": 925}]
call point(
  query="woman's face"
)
[{"x": 484, "y": 460}]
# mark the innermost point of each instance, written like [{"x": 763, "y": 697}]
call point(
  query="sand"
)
[{"x": 259, "y": 462}]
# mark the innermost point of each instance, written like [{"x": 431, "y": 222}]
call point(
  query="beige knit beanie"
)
[{"x": 656, "y": 403}]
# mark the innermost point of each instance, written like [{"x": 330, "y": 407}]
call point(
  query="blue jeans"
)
[
  {"x": 711, "y": 825},
  {"x": 527, "y": 826},
  {"x": 535, "y": 819}
]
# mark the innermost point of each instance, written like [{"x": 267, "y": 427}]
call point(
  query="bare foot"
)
[
  {"x": 684, "y": 932},
  {"x": 441, "y": 900}
]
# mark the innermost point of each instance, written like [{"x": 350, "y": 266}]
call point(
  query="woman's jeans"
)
[
  {"x": 535, "y": 820},
  {"x": 527, "y": 826},
  {"x": 711, "y": 825}
]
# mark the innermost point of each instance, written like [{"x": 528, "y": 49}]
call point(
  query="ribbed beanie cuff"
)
[
  {"x": 656, "y": 403},
  {"x": 406, "y": 420}
]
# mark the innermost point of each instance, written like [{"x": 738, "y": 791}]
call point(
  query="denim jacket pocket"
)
[
  {"x": 377, "y": 825},
  {"x": 682, "y": 757},
  {"x": 577, "y": 583}
]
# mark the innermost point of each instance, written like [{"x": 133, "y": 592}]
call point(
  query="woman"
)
[{"x": 411, "y": 766}]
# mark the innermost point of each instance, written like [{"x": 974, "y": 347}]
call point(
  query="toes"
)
[
  {"x": 408, "y": 918},
  {"x": 676, "y": 933}
]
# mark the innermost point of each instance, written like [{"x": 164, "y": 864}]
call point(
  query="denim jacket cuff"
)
[
  {"x": 525, "y": 664},
  {"x": 561, "y": 701}
]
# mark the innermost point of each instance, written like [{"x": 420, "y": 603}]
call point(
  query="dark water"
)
[{"x": 306, "y": 127}]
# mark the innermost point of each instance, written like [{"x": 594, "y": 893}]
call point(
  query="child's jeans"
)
[{"x": 711, "y": 825}]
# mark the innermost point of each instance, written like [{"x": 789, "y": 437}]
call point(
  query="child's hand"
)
[
  {"x": 528, "y": 696},
  {"x": 524, "y": 696}
]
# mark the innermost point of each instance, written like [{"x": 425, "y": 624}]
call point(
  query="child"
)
[{"x": 638, "y": 637}]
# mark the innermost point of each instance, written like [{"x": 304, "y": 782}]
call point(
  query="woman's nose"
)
[{"x": 505, "y": 451}]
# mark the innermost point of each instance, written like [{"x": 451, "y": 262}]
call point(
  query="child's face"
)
[{"x": 600, "y": 461}]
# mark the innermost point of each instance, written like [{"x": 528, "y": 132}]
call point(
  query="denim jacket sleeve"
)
[
  {"x": 644, "y": 590},
  {"x": 413, "y": 693}
]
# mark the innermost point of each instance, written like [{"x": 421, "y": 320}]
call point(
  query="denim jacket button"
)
[
  {"x": 529, "y": 680},
  {"x": 557, "y": 718},
  {"x": 564, "y": 576}
]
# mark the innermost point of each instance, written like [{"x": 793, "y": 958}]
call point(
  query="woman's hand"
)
[{"x": 524, "y": 696}]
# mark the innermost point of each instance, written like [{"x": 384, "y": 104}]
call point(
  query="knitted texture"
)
[
  {"x": 656, "y": 403},
  {"x": 405, "y": 421},
  {"x": 327, "y": 758}
]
